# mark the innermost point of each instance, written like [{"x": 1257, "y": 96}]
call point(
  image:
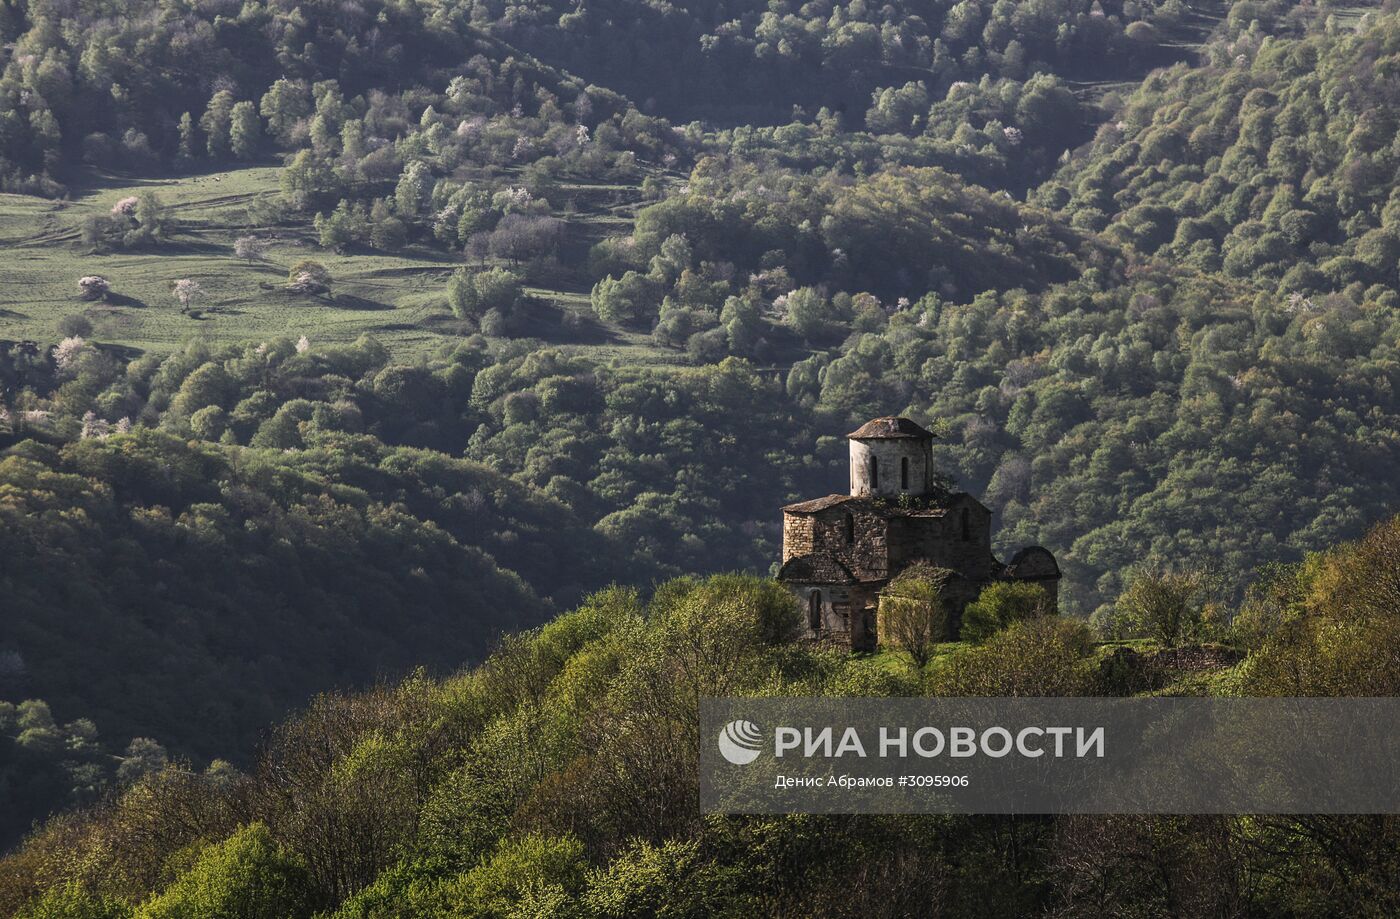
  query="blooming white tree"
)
[
  {"x": 187, "y": 291},
  {"x": 95, "y": 427},
  {"x": 143, "y": 757},
  {"x": 471, "y": 128},
  {"x": 67, "y": 352},
  {"x": 515, "y": 199},
  {"x": 303, "y": 345},
  {"x": 94, "y": 287},
  {"x": 250, "y": 248},
  {"x": 309, "y": 277},
  {"x": 126, "y": 207}
]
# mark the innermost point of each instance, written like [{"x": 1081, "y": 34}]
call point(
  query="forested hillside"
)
[
  {"x": 341, "y": 339},
  {"x": 560, "y": 779},
  {"x": 752, "y": 61},
  {"x": 1276, "y": 163},
  {"x": 162, "y": 558},
  {"x": 178, "y": 81}
]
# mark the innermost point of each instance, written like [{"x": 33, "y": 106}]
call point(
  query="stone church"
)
[{"x": 840, "y": 551}]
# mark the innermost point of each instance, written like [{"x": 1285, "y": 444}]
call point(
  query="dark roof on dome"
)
[
  {"x": 887, "y": 428},
  {"x": 1032, "y": 563}
]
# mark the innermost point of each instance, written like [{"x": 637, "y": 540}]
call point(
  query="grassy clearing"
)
[
  {"x": 896, "y": 662},
  {"x": 1349, "y": 17},
  {"x": 399, "y": 298}
]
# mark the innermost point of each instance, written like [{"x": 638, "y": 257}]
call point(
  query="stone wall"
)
[
  {"x": 888, "y": 454},
  {"x": 865, "y": 553},
  {"x": 842, "y": 609},
  {"x": 876, "y": 540},
  {"x": 939, "y": 540},
  {"x": 798, "y": 535},
  {"x": 878, "y": 544}
]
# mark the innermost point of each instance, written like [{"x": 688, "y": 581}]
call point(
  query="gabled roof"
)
[
  {"x": 932, "y": 507},
  {"x": 818, "y": 504},
  {"x": 888, "y": 428}
]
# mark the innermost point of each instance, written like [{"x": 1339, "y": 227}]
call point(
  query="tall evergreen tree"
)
[
  {"x": 187, "y": 138},
  {"x": 245, "y": 131},
  {"x": 217, "y": 120}
]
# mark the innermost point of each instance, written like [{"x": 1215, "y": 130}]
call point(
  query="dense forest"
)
[
  {"x": 1281, "y": 171},
  {"x": 629, "y": 271}
]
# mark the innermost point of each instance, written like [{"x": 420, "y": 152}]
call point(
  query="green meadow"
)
[{"x": 399, "y": 298}]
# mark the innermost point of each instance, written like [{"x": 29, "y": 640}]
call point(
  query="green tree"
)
[
  {"x": 246, "y": 876},
  {"x": 151, "y": 222},
  {"x": 72, "y": 901},
  {"x": 999, "y": 605},
  {"x": 346, "y": 225},
  {"x": 285, "y": 104},
  {"x": 387, "y": 232},
  {"x": 209, "y": 423},
  {"x": 245, "y": 132},
  {"x": 475, "y": 217},
  {"x": 323, "y": 135},
  {"x": 208, "y": 385},
  {"x": 414, "y": 187},
  {"x": 307, "y": 180},
  {"x": 1172, "y": 607},
  {"x": 352, "y": 139},
  {"x": 628, "y": 300},
  {"x": 913, "y": 613},
  {"x": 143, "y": 757},
  {"x": 1047, "y": 656},
  {"x": 530, "y": 876},
  {"x": 217, "y": 122},
  {"x": 188, "y": 141},
  {"x": 472, "y": 293},
  {"x": 809, "y": 312},
  {"x": 898, "y": 110}
]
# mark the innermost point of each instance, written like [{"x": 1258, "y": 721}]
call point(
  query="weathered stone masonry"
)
[{"x": 840, "y": 551}]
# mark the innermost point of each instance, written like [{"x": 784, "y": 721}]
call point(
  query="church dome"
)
[
  {"x": 890, "y": 457},
  {"x": 889, "y": 428}
]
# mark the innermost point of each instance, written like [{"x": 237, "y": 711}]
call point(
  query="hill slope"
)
[
  {"x": 560, "y": 778},
  {"x": 1273, "y": 162}
]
